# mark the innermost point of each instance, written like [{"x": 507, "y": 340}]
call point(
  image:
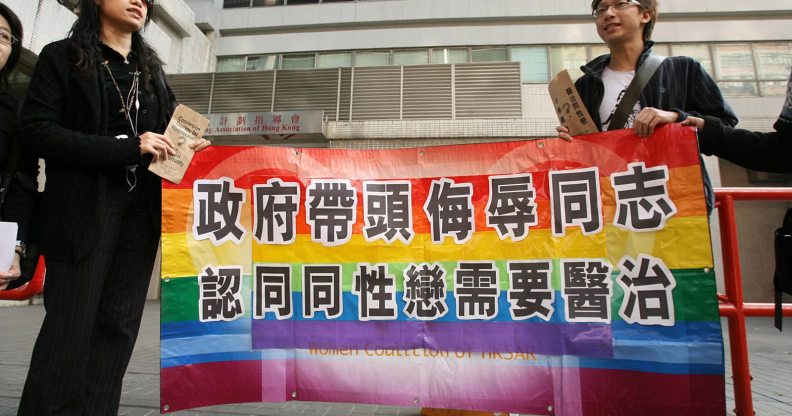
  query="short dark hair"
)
[
  {"x": 650, "y": 5},
  {"x": 16, "y": 48}
]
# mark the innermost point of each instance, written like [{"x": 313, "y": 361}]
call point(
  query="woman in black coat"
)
[
  {"x": 96, "y": 104},
  {"x": 19, "y": 186}
]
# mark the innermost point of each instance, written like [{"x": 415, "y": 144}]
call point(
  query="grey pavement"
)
[{"x": 770, "y": 357}]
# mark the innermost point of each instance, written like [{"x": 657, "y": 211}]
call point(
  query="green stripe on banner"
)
[
  {"x": 693, "y": 299},
  {"x": 693, "y": 296},
  {"x": 180, "y": 298}
]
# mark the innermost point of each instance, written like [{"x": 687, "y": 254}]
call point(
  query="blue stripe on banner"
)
[
  {"x": 652, "y": 366},
  {"x": 206, "y": 344},
  {"x": 681, "y": 332},
  {"x": 669, "y": 352},
  {"x": 351, "y": 306},
  {"x": 212, "y": 358},
  {"x": 196, "y": 328}
]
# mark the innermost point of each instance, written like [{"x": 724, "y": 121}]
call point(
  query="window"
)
[
  {"x": 298, "y": 61},
  {"x": 489, "y": 54},
  {"x": 734, "y": 62},
  {"x": 449, "y": 56},
  {"x": 570, "y": 58},
  {"x": 259, "y": 3},
  {"x": 231, "y": 64},
  {"x": 773, "y": 62},
  {"x": 701, "y": 53},
  {"x": 232, "y": 4},
  {"x": 411, "y": 57},
  {"x": 261, "y": 63},
  {"x": 533, "y": 63},
  {"x": 372, "y": 58},
  {"x": 334, "y": 60}
]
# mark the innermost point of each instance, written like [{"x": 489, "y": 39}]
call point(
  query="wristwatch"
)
[{"x": 21, "y": 248}]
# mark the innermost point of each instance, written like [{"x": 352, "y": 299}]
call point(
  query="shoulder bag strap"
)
[{"x": 633, "y": 93}]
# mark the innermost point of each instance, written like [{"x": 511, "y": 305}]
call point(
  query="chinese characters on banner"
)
[
  {"x": 642, "y": 204},
  {"x": 519, "y": 276}
]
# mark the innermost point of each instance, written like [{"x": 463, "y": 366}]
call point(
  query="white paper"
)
[{"x": 8, "y": 232}]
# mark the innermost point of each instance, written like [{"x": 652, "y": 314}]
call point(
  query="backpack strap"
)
[
  {"x": 625, "y": 107},
  {"x": 782, "y": 280}
]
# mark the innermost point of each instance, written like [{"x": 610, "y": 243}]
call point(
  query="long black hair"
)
[
  {"x": 84, "y": 38},
  {"x": 16, "y": 48}
]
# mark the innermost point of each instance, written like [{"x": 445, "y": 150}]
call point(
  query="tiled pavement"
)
[{"x": 770, "y": 355}]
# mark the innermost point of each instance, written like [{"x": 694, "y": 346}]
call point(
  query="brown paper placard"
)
[
  {"x": 568, "y": 106},
  {"x": 185, "y": 127}
]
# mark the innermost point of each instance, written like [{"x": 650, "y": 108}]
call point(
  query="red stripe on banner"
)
[
  {"x": 209, "y": 384},
  {"x": 618, "y": 392},
  {"x": 671, "y": 145}
]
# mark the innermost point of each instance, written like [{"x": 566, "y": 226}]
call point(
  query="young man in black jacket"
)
[
  {"x": 771, "y": 152},
  {"x": 680, "y": 88}
]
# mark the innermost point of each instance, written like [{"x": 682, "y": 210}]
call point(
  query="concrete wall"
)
[{"x": 422, "y": 23}]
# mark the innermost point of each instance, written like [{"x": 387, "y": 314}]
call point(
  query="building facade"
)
[{"x": 393, "y": 73}]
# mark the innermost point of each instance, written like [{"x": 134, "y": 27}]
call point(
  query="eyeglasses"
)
[
  {"x": 619, "y": 5},
  {"x": 6, "y": 38}
]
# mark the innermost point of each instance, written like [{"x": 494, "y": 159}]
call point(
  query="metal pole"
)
[{"x": 741, "y": 372}]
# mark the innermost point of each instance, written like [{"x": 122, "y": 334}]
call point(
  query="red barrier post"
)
[{"x": 732, "y": 305}]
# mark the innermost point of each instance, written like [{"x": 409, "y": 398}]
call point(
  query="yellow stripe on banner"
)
[
  {"x": 683, "y": 243},
  {"x": 183, "y": 256}
]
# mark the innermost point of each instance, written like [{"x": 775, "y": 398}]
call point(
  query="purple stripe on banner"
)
[{"x": 585, "y": 340}]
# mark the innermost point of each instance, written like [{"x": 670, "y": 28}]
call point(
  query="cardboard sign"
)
[
  {"x": 185, "y": 127},
  {"x": 569, "y": 107}
]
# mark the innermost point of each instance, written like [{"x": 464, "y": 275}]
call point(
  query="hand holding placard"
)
[{"x": 185, "y": 127}]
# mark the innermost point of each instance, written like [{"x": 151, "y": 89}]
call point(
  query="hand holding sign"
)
[
  {"x": 575, "y": 119},
  {"x": 184, "y": 133}
]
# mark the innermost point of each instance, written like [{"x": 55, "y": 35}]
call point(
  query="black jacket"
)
[
  {"x": 680, "y": 84},
  {"x": 64, "y": 121},
  {"x": 19, "y": 203},
  {"x": 770, "y": 152}
]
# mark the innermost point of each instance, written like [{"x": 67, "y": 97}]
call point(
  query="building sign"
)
[
  {"x": 527, "y": 277},
  {"x": 265, "y": 124}
]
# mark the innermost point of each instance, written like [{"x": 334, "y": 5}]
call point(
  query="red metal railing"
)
[
  {"x": 731, "y": 304},
  {"x": 29, "y": 289}
]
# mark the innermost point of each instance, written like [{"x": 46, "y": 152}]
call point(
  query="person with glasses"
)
[
  {"x": 96, "y": 105},
  {"x": 18, "y": 171},
  {"x": 678, "y": 89},
  {"x": 765, "y": 151}
]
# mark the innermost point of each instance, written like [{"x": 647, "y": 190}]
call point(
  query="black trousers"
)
[{"x": 94, "y": 309}]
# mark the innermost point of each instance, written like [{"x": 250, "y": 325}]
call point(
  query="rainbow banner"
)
[{"x": 539, "y": 277}]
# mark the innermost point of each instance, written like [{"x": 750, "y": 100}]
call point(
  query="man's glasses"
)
[
  {"x": 619, "y": 5},
  {"x": 6, "y": 38}
]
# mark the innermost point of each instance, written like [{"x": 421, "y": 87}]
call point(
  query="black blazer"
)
[{"x": 64, "y": 121}]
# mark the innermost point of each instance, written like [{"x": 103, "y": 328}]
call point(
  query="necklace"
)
[
  {"x": 126, "y": 108},
  {"x": 131, "y": 99}
]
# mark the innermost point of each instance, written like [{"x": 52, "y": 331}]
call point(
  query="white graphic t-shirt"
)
[{"x": 616, "y": 84}]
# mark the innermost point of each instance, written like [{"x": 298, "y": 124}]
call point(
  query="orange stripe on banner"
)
[{"x": 178, "y": 205}]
